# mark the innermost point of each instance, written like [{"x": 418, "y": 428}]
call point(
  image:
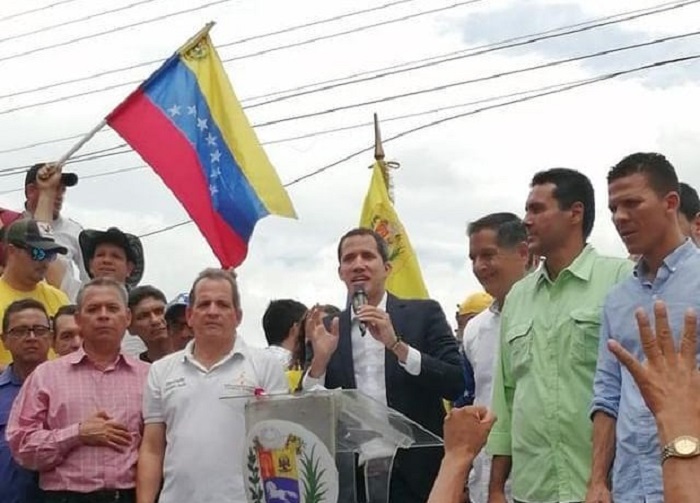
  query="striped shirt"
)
[{"x": 43, "y": 427}]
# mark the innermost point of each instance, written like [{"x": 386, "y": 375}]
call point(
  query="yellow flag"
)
[{"x": 405, "y": 279}]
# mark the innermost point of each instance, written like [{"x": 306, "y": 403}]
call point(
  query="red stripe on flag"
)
[{"x": 174, "y": 159}]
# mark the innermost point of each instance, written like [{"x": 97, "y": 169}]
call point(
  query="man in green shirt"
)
[{"x": 543, "y": 380}]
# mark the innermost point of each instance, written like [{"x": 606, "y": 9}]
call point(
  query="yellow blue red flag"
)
[{"x": 187, "y": 124}]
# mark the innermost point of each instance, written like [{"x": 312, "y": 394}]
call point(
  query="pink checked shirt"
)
[{"x": 43, "y": 427}]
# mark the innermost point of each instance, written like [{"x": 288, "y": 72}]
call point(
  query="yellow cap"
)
[{"x": 475, "y": 303}]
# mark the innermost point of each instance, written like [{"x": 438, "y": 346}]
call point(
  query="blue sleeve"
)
[{"x": 607, "y": 380}]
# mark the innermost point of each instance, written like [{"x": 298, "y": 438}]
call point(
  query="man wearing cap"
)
[
  {"x": 468, "y": 309},
  {"x": 179, "y": 331},
  {"x": 30, "y": 249},
  {"x": 65, "y": 230}
]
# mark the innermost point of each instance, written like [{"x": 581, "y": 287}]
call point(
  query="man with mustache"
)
[{"x": 147, "y": 305}]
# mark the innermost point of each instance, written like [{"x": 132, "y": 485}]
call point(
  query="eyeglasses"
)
[
  {"x": 38, "y": 254},
  {"x": 22, "y": 332}
]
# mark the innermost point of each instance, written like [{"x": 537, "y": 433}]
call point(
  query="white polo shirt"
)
[{"x": 205, "y": 434}]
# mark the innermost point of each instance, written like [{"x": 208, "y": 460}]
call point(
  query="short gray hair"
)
[
  {"x": 212, "y": 273},
  {"x": 102, "y": 282}
]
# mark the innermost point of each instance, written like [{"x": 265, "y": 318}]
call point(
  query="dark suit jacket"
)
[{"x": 423, "y": 326}]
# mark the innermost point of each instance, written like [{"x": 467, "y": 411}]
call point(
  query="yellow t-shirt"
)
[{"x": 51, "y": 297}]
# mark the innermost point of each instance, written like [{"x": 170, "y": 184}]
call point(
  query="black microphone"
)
[{"x": 359, "y": 299}]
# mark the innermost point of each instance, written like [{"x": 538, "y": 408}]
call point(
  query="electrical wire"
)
[
  {"x": 265, "y": 51},
  {"x": 110, "y": 31},
  {"x": 75, "y": 21},
  {"x": 37, "y": 9},
  {"x": 498, "y": 75},
  {"x": 240, "y": 41},
  {"x": 347, "y": 32},
  {"x": 391, "y": 70},
  {"x": 427, "y": 90},
  {"x": 458, "y": 55},
  {"x": 87, "y": 177}
]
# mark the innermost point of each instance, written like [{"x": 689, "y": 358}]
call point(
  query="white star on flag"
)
[
  {"x": 174, "y": 110},
  {"x": 211, "y": 140},
  {"x": 215, "y": 156},
  {"x": 202, "y": 124},
  {"x": 191, "y": 110},
  {"x": 215, "y": 172},
  {"x": 213, "y": 189}
]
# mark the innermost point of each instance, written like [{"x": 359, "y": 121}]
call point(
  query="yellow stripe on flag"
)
[
  {"x": 405, "y": 279},
  {"x": 228, "y": 114}
]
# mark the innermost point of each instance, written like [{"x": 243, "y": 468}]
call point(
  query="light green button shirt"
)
[{"x": 543, "y": 381}]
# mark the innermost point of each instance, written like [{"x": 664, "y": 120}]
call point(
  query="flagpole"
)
[
  {"x": 81, "y": 142},
  {"x": 379, "y": 157}
]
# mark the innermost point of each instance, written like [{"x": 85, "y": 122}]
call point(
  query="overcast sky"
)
[{"x": 450, "y": 174}]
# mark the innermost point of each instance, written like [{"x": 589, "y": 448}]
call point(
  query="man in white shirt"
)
[
  {"x": 282, "y": 326},
  {"x": 400, "y": 352},
  {"x": 499, "y": 255},
  {"x": 202, "y": 457}
]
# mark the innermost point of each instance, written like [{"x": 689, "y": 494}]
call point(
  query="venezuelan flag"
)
[{"x": 187, "y": 124}]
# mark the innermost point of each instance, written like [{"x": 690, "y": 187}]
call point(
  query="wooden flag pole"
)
[{"x": 379, "y": 157}]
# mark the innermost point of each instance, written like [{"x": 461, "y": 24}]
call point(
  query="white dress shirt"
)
[
  {"x": 368, "y": 360},
  {"x": 481, "y": 342}
]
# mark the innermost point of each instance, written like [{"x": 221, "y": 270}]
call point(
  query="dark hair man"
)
[
  {"x": 27, "y": 336},
  {"x": 550, "y": 320},
  {"x": 643, "y": 196},
  {"x": 406, "y": 357},
  {"x": 66, "y": 333}
]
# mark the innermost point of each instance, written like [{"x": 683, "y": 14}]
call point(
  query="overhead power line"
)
[
  {"x": 347, "y": 32},
  {"x": 75, "y": 21},
  {"x": 93, "y": 155},
  {"x": 239, "y": 41},
  {"x": 265, "y": 51},
  {"x": 404, "y": 67},
  {"x": 110, "y": 31},
  {"x": 37, "y": 9},
  {"x": 123, "y": 148},
  {"x": 454, "y": 56},
  {"x": 442, "y": 87},
  {"x": 87, "y": 177},
  {"x": 348, "y": 157}
]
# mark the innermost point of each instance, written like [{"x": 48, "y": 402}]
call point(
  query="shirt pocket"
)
[
  {"x": 519, "y": 340},
  {"x": 585, "y": 334}
]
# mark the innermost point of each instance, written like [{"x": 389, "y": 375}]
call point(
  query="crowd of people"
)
[{"x": 112, "y": 393}]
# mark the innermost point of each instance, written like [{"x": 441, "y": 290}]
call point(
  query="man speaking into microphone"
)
[{"x": 407, "y": 357}]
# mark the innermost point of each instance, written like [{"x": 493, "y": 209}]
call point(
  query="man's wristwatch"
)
[{"x": 681, "y": 447}]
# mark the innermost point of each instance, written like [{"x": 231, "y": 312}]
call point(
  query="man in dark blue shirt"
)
[{"x": 26, "y": 333}]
